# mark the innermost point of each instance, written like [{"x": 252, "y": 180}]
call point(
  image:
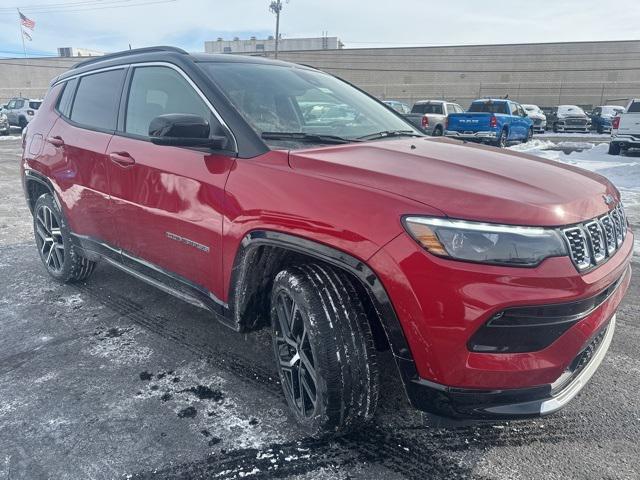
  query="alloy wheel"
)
[
  {"x": 295, "y": 358},
  {"x": 49, "y": 239}
]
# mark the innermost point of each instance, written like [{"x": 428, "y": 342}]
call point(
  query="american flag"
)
[{"x": 27, "y": 22}]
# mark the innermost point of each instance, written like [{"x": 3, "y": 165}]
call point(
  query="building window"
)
[
  {"x": 227, "y": 50},
  {"x": 260, "y": 46}
]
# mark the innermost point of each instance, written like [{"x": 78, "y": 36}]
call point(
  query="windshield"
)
[
  {"x": 489, "y": 107},
  {"x": 274, "y": 98},
  {"x": 570, "y": 110},
  {"x": 532, "y": 108},
  {"x": 434, "y": 108}
]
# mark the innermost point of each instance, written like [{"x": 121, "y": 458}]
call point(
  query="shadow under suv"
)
[{"x": 493, "y": 276}]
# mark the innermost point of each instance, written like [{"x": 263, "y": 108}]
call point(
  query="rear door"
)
[
  {"x": 168, "y": 200},
  {"x": 89, "y": 109}
]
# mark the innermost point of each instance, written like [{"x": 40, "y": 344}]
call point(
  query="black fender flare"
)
[
  {"x": 360, "y": 270},
  {"x": 34, "y": 176}
]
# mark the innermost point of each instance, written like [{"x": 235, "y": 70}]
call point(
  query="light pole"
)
[{"x": 276, "y": 7}]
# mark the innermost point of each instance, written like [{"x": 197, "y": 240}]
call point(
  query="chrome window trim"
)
[{"x": 161, "y": 64}]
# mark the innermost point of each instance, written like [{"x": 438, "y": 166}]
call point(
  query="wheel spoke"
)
[
  {"x": 308, "y": 366},
  {"x": 311, "y": 394},
  {"x": 58, "y": 254}
]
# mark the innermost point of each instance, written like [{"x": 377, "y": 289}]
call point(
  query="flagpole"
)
[{"x": 24, "y": 47}]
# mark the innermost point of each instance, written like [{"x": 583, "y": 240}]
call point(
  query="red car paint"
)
[{"x": 130, "y": 193}]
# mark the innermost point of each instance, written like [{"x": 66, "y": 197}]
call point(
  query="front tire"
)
[
  {"x": 53, "y": 240},
  {"x": 324, "y": 350}
]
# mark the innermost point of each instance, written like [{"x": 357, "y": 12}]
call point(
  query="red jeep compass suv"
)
[{"x": 275, "y": 194}]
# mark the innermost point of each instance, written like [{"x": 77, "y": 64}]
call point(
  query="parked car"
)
[
  {"x": 601, "y": 117},
  {"x": 401, "y": 108},
  {"x": 493, "y": 277},
  {"x": 570, "y": 118},
  {"x": 20, "y": 111},
  {"x": 625, "y": 129},
  {"x": 537, "y": 116},
  {"x": 497, "y": 122},
  {"x": 4, "y": 124},
  {"x": 430, "y": 116}
]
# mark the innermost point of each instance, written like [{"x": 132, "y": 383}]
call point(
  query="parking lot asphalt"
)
[{"x": 114, "y": 379}]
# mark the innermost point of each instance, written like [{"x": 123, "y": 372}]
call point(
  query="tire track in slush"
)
[{"x": 415, "y": 452}]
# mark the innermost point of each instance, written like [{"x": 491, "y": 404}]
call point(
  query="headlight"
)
[{"x": 485, "y": 242}]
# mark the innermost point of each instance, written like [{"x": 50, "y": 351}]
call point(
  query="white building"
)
[
  {"x": 78, "y": 52},
  {"x": 255, "y": 45}
]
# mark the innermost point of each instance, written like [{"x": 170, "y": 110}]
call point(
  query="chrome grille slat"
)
[
  {"x": 609, "y": 233},
  {"x": 592, "y": 242},
  {"x": 578, "y": 247},
  {"x": 598, "y": 247}
]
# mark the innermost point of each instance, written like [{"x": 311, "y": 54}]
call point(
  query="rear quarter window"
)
[
  {"x": 96, "y": 101},
  {"x": 35, "y": 105},
  {"x": 64, "y": 100}
]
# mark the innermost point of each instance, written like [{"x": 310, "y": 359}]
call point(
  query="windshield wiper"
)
[
  {"x": 306, "y": 137},
  {"x": 391, "y": 133}
]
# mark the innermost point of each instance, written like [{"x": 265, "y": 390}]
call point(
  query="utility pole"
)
[{"x": 276, "y": 7}]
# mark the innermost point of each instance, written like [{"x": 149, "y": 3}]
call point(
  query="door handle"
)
[
  {"x": 122, "y": 158},
  {"x": 55, "y": 141}
]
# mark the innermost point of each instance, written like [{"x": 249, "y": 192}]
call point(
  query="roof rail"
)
[{"x": 124, "y": 53}]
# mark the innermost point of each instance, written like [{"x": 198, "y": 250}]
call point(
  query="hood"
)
[
  {"x": 465, "y": 181},
  {"x": 537, "y": 115}
]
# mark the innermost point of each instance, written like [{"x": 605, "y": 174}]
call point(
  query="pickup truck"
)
[
  {"x": 430, "y": 116},
  {"x": 602, "y": 117},
  {"x": 497, "y": 122},
  {"x": 625, "y": 129}
]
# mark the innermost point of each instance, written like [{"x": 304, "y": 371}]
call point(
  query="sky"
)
[{"x": 358, "y": 23}]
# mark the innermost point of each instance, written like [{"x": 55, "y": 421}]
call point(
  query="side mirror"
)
[{"x": 184, "y": 130}]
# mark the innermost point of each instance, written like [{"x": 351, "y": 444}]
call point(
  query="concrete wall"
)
[
  {"x": 592, "y": 73},
  {"x": 30, "y": 77},
  {"x": 587, "y": 74}
]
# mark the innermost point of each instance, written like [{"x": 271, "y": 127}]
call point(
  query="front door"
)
[{"x": 168, "y": 200}]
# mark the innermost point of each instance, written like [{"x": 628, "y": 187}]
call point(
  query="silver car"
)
[{"x": 20, "y": 110}]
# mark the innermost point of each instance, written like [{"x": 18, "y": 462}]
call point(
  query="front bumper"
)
[
  {"x": 445, "y": 302},
  {"x": 477, "y": 136},
  {"x": 573, "y": 128},
  {"x": 512, "y": 403}
]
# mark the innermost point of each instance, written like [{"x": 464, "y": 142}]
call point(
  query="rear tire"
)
[
  {"x": 437, "y": 132},
  {"x": 324, "y": 350},
  {"x": 53, "y": 240},
  {"x": 502, "y": 139},
  {"x": 614, "y": 148}
]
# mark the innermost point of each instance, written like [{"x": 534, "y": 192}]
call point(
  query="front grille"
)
[
  {"x": 576, "y": 121},
  {"x": 592, "y": 242},
  {"x": 537, "y": 122}
]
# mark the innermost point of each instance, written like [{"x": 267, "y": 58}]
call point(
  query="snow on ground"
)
[
  {"x": 622, "y": 170},
  {"x": 9, "y": 137}
]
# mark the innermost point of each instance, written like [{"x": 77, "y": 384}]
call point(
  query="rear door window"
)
[{"x": 97, "y": 99}]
